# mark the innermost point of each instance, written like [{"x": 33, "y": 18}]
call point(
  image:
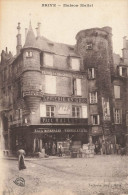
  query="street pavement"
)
[{"x": 101, "y": 175}]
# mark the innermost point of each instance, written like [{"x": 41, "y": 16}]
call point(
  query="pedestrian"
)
[
  {"x": 53, "y": 149},
  {"x": 60, "y": 149},
  {"x": 46, "y": 148},
  {"x": 103, "y": 147},
  {"x": 21, "y": 163},
  {"x": 96, "y": 147}
]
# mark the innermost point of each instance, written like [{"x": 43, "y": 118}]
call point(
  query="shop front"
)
[{"x": 50, "y": 138}]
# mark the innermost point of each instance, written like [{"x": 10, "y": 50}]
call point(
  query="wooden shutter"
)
[
  {"x": 42, "y": 110},
  {"x": 84, "y": 112}
]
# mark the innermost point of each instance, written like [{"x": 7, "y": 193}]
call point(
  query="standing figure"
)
[
  {"x": 53, "y": 149},
  {"x": 96, "y": 147},
  {"x": 60, "y": 149},
  {"x": 21, "y": 163},
  {"x": 46, "y": 148},
  {"x": 103, "y": 147}
]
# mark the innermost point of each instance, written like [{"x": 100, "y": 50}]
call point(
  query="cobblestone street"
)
[{"x": 103, "y": 175}]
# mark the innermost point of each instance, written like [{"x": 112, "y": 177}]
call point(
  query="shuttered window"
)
[
  {"x": 84, "y": 112},
  {"x": 93, "y": 97},
  {"x": 95, "y": 119},
  {"x": 117, "y": 91},
  {"x": 118, "y": 116},
  {"x": 75, "y": 64},
  {"x": 42, "y": 110},
  {"x": 48, "y": 59},
  {"x": 50, "y": 84}
]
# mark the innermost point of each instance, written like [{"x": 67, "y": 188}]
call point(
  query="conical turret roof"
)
[{"x": 30, "y": 38}]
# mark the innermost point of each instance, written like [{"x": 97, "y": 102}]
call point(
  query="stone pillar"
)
[{"x": 40, "y": 145}]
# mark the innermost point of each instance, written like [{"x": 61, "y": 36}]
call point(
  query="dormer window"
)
[
  {"x": 48, "y": 59},
  {"x": 29, "y": 54},
  {"x": 75, "y": 64},
  {"x": 89, "y": 46}
]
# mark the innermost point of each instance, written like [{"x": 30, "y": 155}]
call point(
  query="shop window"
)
[
  {"x": 118, "y": 116},
  {"x": 95, "y": 119},
  {"x": 50, "y": 84},
  {"x": 123, "y": 71},
  {"x": 89, "y": 46},
  {"x": 117, "y": 91},
  {"x": 77, "y": 87},
  {"x": 50, "y": 111},
  {"x": 91, "y": 73},
  {"x": 48, "y": 59},
  {"x": 75, "y": 64},
  {"x": 29, "y": 54},
  {"x": 76, "y": 111},
  {"x": 93, "y": 97}
]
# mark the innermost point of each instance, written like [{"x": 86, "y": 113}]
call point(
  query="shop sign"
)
[
  {"x": 40, "y": 130},
  {"x": 64, "y": 120},
  {"x": 32, "y": 93},
  {"x": 61, "y": 74},
  {"x": 64, "y": 99}
]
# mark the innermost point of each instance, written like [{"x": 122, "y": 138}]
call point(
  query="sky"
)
[{"x": 61, "y": 24}]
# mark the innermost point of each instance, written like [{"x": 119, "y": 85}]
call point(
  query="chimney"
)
[
  {"x": 38, "y": 29},
  {"x": 26, "y": 30},
  {"x": 124, "y": 42},
  {"x": 6, "y": 50},
  {"x": 19, "y": 46}
]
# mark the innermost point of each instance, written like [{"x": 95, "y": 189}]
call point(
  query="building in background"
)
[{"x": 51, "y": 92}]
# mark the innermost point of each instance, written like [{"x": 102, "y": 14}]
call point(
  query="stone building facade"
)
[{"x": 51, "y": 92}]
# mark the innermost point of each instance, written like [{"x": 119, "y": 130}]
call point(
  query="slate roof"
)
[{"x": 44, "y": 44}]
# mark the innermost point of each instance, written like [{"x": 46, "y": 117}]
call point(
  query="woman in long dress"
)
[{"x": 21, "y": 163}]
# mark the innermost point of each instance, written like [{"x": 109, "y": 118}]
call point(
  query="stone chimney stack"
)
[
  {"x": 26, "y": 30},
  {"x": 38, "y": 29},
  {"x": 19, "y": 45}
]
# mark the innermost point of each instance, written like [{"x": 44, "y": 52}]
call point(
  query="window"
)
[
  {"x": 123, "y": 71},
  {"x": 91, "y": 73},
  {"x": 77, "y": 87},
  {"x": 95, "y": 120},
  {"x": 29, "y": 54},
  {"x": 50, "y": 84},
  {"x": 50, "y": 111},
  {"x": 75, "y": 64},
  {"x": 76, "y": 111},
  {"x": 48, "y": 59},
  {"x": 118, "y": 116},
  {"x": 93, "y": 97},
  {"x": 89, "y": 46},
  {"x": 117, "y": 91}
]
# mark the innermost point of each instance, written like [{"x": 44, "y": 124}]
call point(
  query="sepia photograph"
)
[{"x": 64, "y": 97}]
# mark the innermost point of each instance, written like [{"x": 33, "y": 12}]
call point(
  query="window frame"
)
[
  {"x": 89, "y": 46},
  {"x": 93, "y": 97},
  {"x": 46, "y": 90},
  {"x": 45, "y": 61},
  {"x": 119, "y": 92},
  {"x": 50, "y": 111},
  {"x": 117, "y": 113},
  {"x": 91, "y": 74},
  {"x": 77, "y": 113},
  {"x": 71, "y": 63},
  {"x": 98, "y": 119},
  {"x": 29, "y": 54}
]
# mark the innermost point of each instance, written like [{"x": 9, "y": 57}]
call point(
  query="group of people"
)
[
  {"x": 50, "y": 148},
  {"x": 107, "y": 147}
]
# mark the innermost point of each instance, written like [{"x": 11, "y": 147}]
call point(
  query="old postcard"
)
[{"x": 64, "y": 97}]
